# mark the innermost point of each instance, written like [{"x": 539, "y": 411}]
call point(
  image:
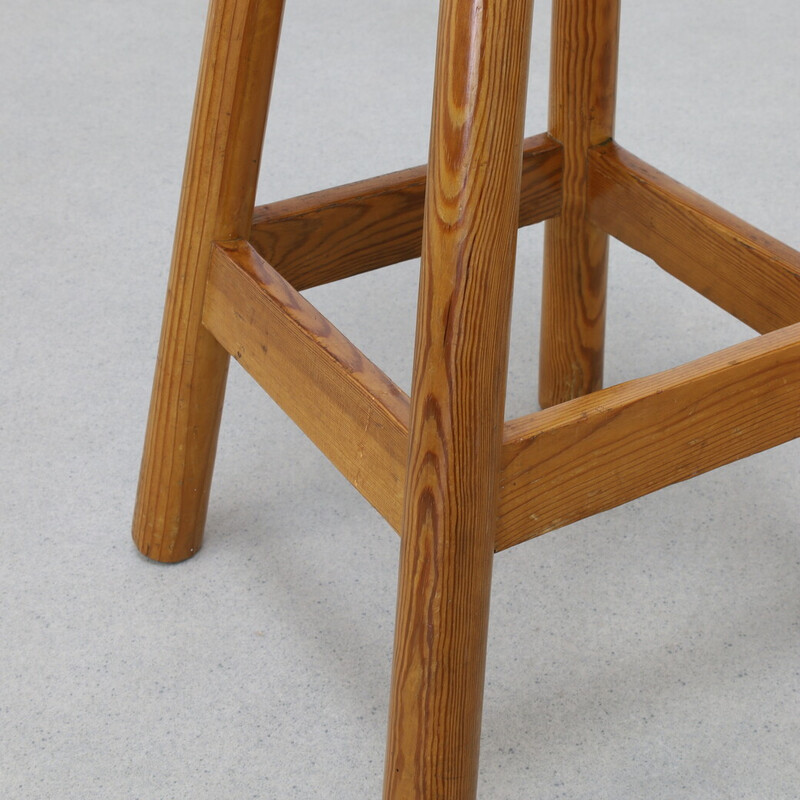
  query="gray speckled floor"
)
[{"x": 652, "y": 652}]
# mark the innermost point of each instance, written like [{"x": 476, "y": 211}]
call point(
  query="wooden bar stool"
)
[{"x": 446, "y": 470}]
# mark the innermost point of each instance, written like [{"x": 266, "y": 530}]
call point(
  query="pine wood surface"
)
[
  {"x": 337, "y": 397},
  {"x": 336, "y": 233},
  {"x": 582, "y": 102},
  {"x": 599, "y": 451},
  {"x": 216, "y": 203},
  {"x": 741, "y": 269},
  {"x": 458, "y": 391},
  {"x": 558, "y": 465},
  {"x": 443, "y": 467}
]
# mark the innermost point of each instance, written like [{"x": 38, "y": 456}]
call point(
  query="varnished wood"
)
[
  {"x": 596, "y": 452},
  {"x": 746, "y": 272},
  {"x": 337, "y": 397},
  {"x": 216, "y": 203},
  {"x": 336, "y": 233},
  {"x": 457, "y": 398},
  {"x": 442, "y": 467},
  {"x": 582, "y": 101}
]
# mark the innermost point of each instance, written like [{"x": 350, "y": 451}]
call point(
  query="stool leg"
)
[
  {"x": 458, "y": 391},
  {"x": 582, "y": 100},
  {"x": 216, "y": 203}
]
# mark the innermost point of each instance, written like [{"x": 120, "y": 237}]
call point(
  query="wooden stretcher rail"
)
[
  {"x": 748, "y": 273},
  {"x": 599, "y": 451},
  {"x": 338, "y": 398},
  {"x": 336, "y": 233}
]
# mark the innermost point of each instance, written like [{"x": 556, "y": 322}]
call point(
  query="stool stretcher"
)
[
  {"x": 333, "y": 234},
  {"x": 558, "y": 465},
  {"x": 332, "y": 391},
  {"x": 736, "y": 266},
  {"x": 612, "y": 446}
]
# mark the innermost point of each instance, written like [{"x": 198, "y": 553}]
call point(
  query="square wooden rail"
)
[{"x": 560, "y": 464}]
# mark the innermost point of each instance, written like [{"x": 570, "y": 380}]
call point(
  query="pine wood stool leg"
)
[
  {"x": 216, "y": 204},
  {"x": 469, "y": 240},
  {"x": 582, "y": 99}
]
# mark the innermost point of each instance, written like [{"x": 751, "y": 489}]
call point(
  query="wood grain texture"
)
[
  {"x": 596, "y": 452},
  {"x": 582, "y": 101},
  {"x": 336, "y": 233},
  {"x": 458, "y": 391},
  {"x": 216, "y": 203},
  {"x": 748, "y": 273},
  {"x": 337, "y": 397}
]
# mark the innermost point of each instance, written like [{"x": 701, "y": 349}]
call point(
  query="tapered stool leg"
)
[
  {"x": 458, "y": 391},
  {"x": 216, "y": 203},
  {"x": 582, "y": 100}
]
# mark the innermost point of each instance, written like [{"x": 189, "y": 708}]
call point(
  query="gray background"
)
[{"x": 650, "y": 652}]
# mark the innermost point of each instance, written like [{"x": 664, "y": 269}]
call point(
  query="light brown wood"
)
[
  {"x": 582, "y": 100},
  {"x": 337, "y": 397},
  {"x": 748, "y": 273},
  {"x": 216, "y": 203},
  {"x": 336, "y": 233},
  {"x": 458, "y": 391},
  {"x": 596, "y": 452}
]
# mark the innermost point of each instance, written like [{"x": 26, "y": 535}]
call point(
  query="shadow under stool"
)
[{"x": 455, "y": 479}]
